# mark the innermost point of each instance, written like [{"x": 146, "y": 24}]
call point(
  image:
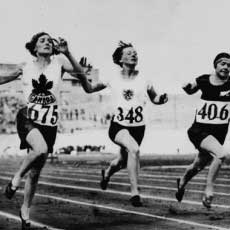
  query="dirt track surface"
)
[{"x": 69, "y": 197}]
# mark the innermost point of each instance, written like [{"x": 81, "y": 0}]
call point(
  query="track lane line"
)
[
  {"x": 128, "y": 194},
  {"x": 141, "y": 186}
]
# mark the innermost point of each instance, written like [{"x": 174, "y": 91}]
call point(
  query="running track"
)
[{"x": 69, "y": 197}]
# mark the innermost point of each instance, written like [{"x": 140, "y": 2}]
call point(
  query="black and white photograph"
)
[{"x": 114, "y": 115}]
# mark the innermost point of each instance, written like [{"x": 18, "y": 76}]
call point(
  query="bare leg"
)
[
  {"x": 34, "y": 162},
  {"x": 117, "y": 164},
  {"x": 133, "y": 169},
  {"x": 39, "y": 147},
  {"x": 125, "y": 140},
  {"x": 30, "y": 186},
  {"x": 201, "y": 160},
  {"x": 212, "y": 145}
]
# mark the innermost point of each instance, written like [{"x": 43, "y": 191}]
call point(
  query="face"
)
[
  {"x": 223, "y": 68},
  {"x": 129, "y": 56},
  {"x": 44, "y": 45}
]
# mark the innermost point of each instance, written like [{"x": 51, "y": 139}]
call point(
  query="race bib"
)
[
  {"x": 213, "y": 112},
  {"x": 130, "y": 117},
  {"x": 43, "y": 114}
]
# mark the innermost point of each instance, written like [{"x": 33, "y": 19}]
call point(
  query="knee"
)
[
  {"x": 41, "y": 150},
  {"x": 40, "y": 161},
  {"x": 34, "y": 173},
  {"x": 198, "y": 166},
  {"x": 134, "y": 150},
  {"x": 219, "y": 158},
  {"x": 221, "y": 155}
]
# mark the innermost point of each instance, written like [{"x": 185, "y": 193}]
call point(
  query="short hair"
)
[
  {"x": 219, "y": 56},
  {"x": 30, "y": 46},
  {"x": 118, "y": 52}
]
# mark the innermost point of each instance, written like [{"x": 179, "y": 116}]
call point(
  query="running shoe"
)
[
  {"x": 25, "y": 223},
  {"x": 136, "y": 201},
  {"x": 104, "y": 181},
  {"x": 207, "y": 201},
  {"x": 9, "y": 192},
  {"x": 180, "y": 191}
]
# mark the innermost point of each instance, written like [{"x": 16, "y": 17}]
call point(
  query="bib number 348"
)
[{"x": 133, "y": 115}]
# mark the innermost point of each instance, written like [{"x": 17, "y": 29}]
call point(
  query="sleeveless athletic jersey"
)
[
  {"x": 129, "y": 96},
  {"x": 41, "y": 91},
  {"x": 213, "y": 108}
]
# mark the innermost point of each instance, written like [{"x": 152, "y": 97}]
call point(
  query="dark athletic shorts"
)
[
  {"x": 25, "y": 125},
  {"x": 197, "y": 132},
  {"x": 137, "y": 132}
]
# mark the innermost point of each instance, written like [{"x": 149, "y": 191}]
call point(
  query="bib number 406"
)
[
  {"x": 133, "y": 115},
  {"x": 211, "y": 111}
]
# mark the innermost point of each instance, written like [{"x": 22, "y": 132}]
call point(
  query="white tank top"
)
[
  {"x": 41, "y": 91},
  {"x": 129, "y": 96}
]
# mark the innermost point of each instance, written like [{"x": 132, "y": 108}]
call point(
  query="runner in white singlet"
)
[
  {"x": 37, "y": 121},
  {"x": 210, "y": 127},
  {"x": 129, "y": 92}
]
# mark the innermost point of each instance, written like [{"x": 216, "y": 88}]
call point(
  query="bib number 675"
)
[{"x": 33, "y": 114}]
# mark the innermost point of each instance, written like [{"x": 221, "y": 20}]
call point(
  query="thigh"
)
[
  {"x": 24, "y": 126},
  {"x": 126, "y": 141},
  {"x": 213, "y": 146},
  {"x": 36, "y": 140}
]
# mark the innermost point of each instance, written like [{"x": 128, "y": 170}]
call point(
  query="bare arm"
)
[
  {"x": 154, "y": 97},
  {"x": 10, "y": 76},
  {"x": 190, "y": 88},
  {"x": 88, "y": 86},
  {"x": 76, "y": 70}
]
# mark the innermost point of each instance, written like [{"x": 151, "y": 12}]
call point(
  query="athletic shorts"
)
[
  {"x": 137, "y": 132},
  {"x": 25, "y": 125},
  {"x": 197, "y": 132}
]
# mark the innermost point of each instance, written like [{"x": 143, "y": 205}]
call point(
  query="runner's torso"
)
[
  {"x": 213, "y": 107},
  {"x": 41, "y": 91},
  {"x": 129, "y": 97}
]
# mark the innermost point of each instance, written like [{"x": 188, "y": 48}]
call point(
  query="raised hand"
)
[
  {"x": 83, "y": 63},
  {"x": 163, "y": 98},
  {"x": 62, "y": 46},
  {"x": 187, "y": 86}
]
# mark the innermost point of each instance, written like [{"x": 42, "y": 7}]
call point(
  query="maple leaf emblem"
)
[
  {"x": 42, "y": 86},
  {"x": 128, "y": 94}
]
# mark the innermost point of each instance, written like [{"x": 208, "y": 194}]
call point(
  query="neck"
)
[
  {"x": 43, "y": 61},
  {"x": 128, "y": 70},
  {"x": 219, "y": 81}
]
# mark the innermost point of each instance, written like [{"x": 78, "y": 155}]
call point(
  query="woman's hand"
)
[
  {"x": 163, "y": 98},
  {"x": 62, "y": 46}
]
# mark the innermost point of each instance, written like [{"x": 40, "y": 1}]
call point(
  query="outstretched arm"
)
[
  {"x": 10, "y": 75},
  {"x": 154, "y": 97},
  {"x": 76, "y": 70},
  {"x": 190, "y": 88},
  {"x": 88, "y": 86}
]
